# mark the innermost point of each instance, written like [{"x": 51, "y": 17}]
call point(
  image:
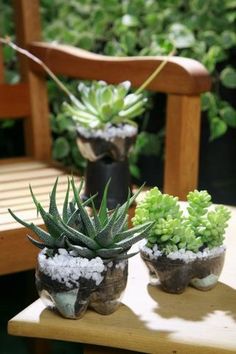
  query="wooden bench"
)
[{"x": 183, "y": 80}]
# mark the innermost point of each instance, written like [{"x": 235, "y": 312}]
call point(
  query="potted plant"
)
[
  {"x": 183, "y": 247},
  {"x": 104, "y": 119},
  {"x": 84, "y": 253}
]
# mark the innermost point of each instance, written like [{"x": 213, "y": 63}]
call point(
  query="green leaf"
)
[
  {"x": 228, "y": 39},
  {"x": 181, "y": 36},
  {"x": 102, "y": 213},
  {"x": 128, "y": 242},
  {"x": 208, "y": 101},
  {"x": 129, "y": 21},
  {"x": 43, "y": 235},
  {"x": 130, "y": 232},
  {"x": 78, "y": 237},
  {"x": 81, "y": 251},
  {"x": 228, "y": 77},
  {"x": 65, "y": 213},
  {"x": 83, "y": 212},
  {"x": 218, "y": 128},
  {"x": 61, "y": 148},
  {"x": 228, "y": 114},
  {"x": 36, "y": 243},
  {"x": 53, "y": 205},
  {"x": 105, "y": 236},
  {"x": 52, "y": 223},
  {"x": 109, "y": 253}
]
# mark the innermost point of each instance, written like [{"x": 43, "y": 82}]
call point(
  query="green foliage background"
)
[{"x": 199, "y": 29}]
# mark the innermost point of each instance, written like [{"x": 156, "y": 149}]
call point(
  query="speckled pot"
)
[
  {"x": 175, "y": 275},
  {"x": 72, "y": 301},
  {"x": 96, "y": 148}
]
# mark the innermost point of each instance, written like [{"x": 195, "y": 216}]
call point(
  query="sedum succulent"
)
[
  {"x": 209, "y": 225},
  {"x": 104, "y": 233},
  {"x": 172, "y": 230},
  {"x": 103, "y": 104}
]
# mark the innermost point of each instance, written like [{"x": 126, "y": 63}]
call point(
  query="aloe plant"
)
[
  {"x": 104, "y": 233},
  {"x": 173, "y": 230}
]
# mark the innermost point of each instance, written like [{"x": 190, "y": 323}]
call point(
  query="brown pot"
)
[{"x": 175, "y": 275}]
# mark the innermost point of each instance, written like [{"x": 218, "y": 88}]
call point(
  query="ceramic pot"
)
[
  {"x": 71, "y": 290},
  {"x": 174, "y": 275},
  {"x": 97, "y": 175}
]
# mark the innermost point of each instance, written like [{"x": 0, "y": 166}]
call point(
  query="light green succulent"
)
[
  {"x": 101, "y": 104},
  {"x": 104, "y": 233},
  {"x": 208, "y": 224},
  {"x": 172, "y": 230}
]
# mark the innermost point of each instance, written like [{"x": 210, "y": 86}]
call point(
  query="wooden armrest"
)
[{"x": 180, "y": 76}]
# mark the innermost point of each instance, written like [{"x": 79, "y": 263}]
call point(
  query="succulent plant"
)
[
  {"x": 103, "y": 104},
  {"x": 172, "y": 230},
  {"x": 104, "y": 233},
  {"x": 210, "y": 225}
]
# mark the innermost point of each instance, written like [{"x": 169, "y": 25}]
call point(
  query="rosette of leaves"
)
[
  {"x": 172, "y": 230},
  {"x": 104, "y": 233},
  {"x": 101, "y": 104}
]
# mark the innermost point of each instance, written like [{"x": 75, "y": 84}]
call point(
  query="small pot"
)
[
  {"x": 175, "y": 275},
  {"x": 97, "y": 175},
  {"x": 71, "y": 290}
]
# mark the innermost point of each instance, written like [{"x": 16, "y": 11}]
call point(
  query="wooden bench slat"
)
[
  {"x": 29, "y": 205},
  {"x": 30, "y": 175},
  {"x": 44, "y": 181},
  {"x": 21, "y": 166},
  {"x": 24, "y": 201}
]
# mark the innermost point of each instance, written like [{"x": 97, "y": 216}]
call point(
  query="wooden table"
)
[{"x": 149, "y": 320}]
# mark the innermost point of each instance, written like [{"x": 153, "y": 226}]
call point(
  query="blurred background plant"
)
[{"x": 199, "y": 29}]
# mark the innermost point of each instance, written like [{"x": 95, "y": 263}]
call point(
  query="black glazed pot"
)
[{"x": 97, "y": 175}]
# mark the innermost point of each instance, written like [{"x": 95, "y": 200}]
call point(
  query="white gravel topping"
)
[
  {"x": 68, "y": 270},
  {"x": 122, "y": 264},
  {"x": 110, "y": 132},
  {"x": 186, "y": 256}
]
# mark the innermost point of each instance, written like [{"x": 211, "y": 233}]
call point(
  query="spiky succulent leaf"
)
[
  {"x": 103, "y": 214},
  {"x": 133, "y": 238},
  {"x": 53, "y": 204},
  {"x": 36, "y": 243},
  {"x": 83, "y": 212},
  {"x": 96, "y": 220},
  {"x": 78, "y": 237},
  {"x": 109, "y": 252},
  {"x": 34, "y": 199},
  {"x": 130, "y": 232},
  {"x": 75, "y": 220},
  {"x": 51, "y": 222},
  {"x": 65, "y": 211},
  {"x": 105, "y": 237},
  {"x": 43, "y": 235},
  {"x": 125, "y": 255},
  {"x": 80, "y": 251}
]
